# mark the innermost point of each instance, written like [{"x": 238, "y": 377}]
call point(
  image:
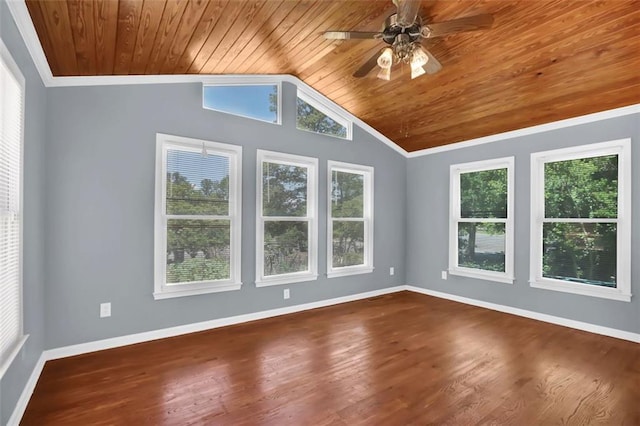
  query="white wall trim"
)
[
  {"x": 131, "y": 339},
  {"x": 565, "y": 322},
  {"x": 20, "y": 13},
  {"x": 25, "y": 396},
  {"x": 575, "y": 121}
]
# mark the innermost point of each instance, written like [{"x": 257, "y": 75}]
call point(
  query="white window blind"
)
[{"x": 11, "y": 106}]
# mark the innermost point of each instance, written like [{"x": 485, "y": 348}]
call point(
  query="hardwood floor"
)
[{"x": 403, "y": 358}]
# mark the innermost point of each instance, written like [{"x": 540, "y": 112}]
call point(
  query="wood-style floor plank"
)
[{"x": 403, "y": 358}]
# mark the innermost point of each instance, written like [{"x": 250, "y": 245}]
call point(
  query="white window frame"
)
[
  {"x": 311, "y": 164},
  {"x": 620, "y": 147},
  {"x": 245, "y": 80},
  {"x": 7, "y": 358},
  {"x": 455, "y": 218},
  {"x": 367, "y": 173},
  {"x": 164, "y": 142},
  {"x": 329, "y": 109}
]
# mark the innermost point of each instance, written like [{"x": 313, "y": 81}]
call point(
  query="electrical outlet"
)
[
  {"x": 105, "y": 310},
  {"x": 287, "y": 293},
  {"x": 392, "y": 270},
  {"x": 444, "y": 275}
]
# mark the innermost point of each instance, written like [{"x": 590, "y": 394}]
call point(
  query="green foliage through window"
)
[
  {"x": 284, "y": 196},
  {"x": 483, "y": 195},
  {"x": 311, "y": 119},
  {"x": 284, "y": 190},
  {"x": 347, "y": 202},
  {"x": 285, "y": 247},
  {"x": 481, "y": 246},
  {"x": 577, "y": 189}
]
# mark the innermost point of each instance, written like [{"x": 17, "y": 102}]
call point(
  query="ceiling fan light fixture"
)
[
  {"x": 418, "y": 57},
  {"x": 385, "y": 74},
  {"x": 417, "y": 71},
  {"x": 385, "y": 60}
]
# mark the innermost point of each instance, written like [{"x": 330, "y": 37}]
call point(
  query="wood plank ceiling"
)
[{"x": 542, "y": 61}]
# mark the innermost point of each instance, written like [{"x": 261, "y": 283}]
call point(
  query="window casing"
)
[
  {"x": 254, "y": 98},
  {"x": 12, "y": 99},
  {"x": 350, "y": 219},
  {"x": 481, "y": 220},
  {"x": 197, "y": 217},
  {"x": 286, "y": 218},
  {"x": 581, "y": 220},
  {"x": 329, "y": 121}
]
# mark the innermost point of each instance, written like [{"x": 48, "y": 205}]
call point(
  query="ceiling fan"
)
[{"x": 403, "y": 31}]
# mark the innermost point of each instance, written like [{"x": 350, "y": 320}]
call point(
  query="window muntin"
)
[
  {"x": 350, "y": 219},
  {"x": 317, "y": 116},
  {"x": 580, "y": 220},
  {"x": 198, "y": 187},
  {"x": 255, "y": 101},
  {"x": 12, "y": 100},
  {"x": 286, "y": 249},
  {"x": 481, "y": 228}
]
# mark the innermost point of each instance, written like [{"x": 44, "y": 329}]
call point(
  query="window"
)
[
  {"x": 317, "y": 115},
  {"x": 197, "y": 246},
  {"x": 256, "y": 101},
  {"x": 287, "y": 229},
  {"x": 581, "y": 220},
  {"x": 350, "y": 225},
  {"x": 481, "y": 227},
  {"x": 11, "y": 129}
]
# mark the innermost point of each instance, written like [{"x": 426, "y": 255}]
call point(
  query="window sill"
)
[
  {"x": 12, "y": 355},
  {"x": 285, "y": 279},
  {"x": 346, "y": 271},
  {"x": 504, "y": 279},
  {"x": 582, "y": 289},
  {"x": 169, "y": 294}
]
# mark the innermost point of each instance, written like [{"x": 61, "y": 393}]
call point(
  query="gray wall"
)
[
  {"x": 15, "y": 378},
  {"x": 100, "y": 199},
  {"x": 428, "y": 225}
]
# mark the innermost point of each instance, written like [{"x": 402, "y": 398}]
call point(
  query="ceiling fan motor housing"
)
[
  {"x": 391, "y": 30},
  {"x": 401, "y": 39}
]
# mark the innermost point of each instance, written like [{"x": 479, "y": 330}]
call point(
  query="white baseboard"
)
[
  {"x": 130, "y": 339},
  {"x": 25, "y": 396},
  {"x": 584, "y": 326},
  {"x": 115, "y": 342}
]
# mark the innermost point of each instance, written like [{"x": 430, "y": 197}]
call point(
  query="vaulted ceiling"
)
[{"x": 542, "y": 60}]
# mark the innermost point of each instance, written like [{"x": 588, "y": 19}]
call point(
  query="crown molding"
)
[
  {"x": 554, "y": 125},
  {"x": 20, "y": 13},
  {"x": 18, "y": 9}
]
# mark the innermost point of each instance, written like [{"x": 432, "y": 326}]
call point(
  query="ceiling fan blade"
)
[
  {"x": 351, "y": 35},
  {"x": 407, "y": 12},
  {"x": 366, "y": 67},
  {"x": 433, "y": 65},
  {"x": 470, "y": 23}
]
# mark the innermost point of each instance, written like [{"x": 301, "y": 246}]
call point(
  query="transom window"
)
[
  {"x": 580, "y": 230},
  {"x": 256, "y": 101},
  {"x": 318, "y": 116},
  {"x": 350, "y": 225},
  {"x": 481, "y": 228},
  {"x": 197, "y": 216},
  {"x": 287, "y": 226}
]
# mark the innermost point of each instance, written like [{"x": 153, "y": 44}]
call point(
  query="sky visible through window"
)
[{"x": 252, "y": 101}]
